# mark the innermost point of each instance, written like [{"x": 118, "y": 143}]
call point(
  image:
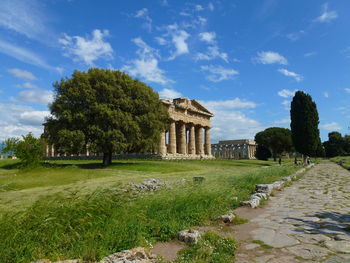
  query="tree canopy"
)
[
  {"x": 106, "y": 111},
  {"x": 337, "y": 144},
  {"x": 28, "y": 149},
  {"x": 304, "y": 124},
  {"x": 276, "y": 139}
]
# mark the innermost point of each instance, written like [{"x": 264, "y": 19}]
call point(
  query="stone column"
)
[
  {"x": 47, "y": 153},
  {"x": 172, "y": 138},
  {"x": 182, "y": 138},
  {"x": 207, "y": 144},
  {"x": 192, "y": 140},
  {"x": 52, "y": 150},
  {"x": 199, "y": 140},
  {"x": 162, "y": 146},
  {"x": 87, "y": 150}
]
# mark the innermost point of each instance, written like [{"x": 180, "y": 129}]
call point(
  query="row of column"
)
[
  {"x": 179, "y": 142},
  {"x": 50, "y": 152},
  {"x": 233, "y": 151}
]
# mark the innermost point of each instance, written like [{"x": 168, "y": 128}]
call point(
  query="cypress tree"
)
[{"x": 304, "y": 124}]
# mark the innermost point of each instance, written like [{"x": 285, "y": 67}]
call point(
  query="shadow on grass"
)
[{"x": 87, "y": 165}]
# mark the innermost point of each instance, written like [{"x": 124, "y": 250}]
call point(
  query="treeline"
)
[{"x": 337, "y": 144}]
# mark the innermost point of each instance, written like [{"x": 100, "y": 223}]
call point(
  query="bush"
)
[{"x": 29, "y": 149}]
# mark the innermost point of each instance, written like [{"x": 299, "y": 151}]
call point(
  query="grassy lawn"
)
[
  {"x": 344, "y": 159},
  {"x": 68, "y": 209}
]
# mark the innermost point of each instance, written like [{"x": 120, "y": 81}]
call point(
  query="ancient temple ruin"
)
[
  {"x": 234, "y": 149},
  {"x": 188, "y": 135}
]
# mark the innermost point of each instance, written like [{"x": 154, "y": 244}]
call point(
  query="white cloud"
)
[
  {"x": 24, "y": 17},
  {"x": 169, "y": 94},
  {"x": 212, "y": 53},
  {"x": 326, "y": 94},
  {"x": 283, "y": 121},
  {"x": 285, "y": 93},
  {"x": 296, "y": 35},
  {"x": 219, "y": 73},
  {"x": 309, "y": 54},
  {"x": 22, "y": 74},
  {"x": 22, "y": 54},
  {"x": 17, "y": 120},
  {"x": 143, "y": 14},
  {"x": 236, "y": 103},
  {"x": 208, "y": 37},
  {"x": 87, "y": 49},
  {"x": 230, "y": 123},
  {"x": 347, "y": 90},
  {"x": 326, "y": 15},
  {"x": 211, "y": 6},
  {"x": 34, "y": 96},
  {"x": 26, "y": 85},
  {"x": 161, "y": 41},
  {"x": 146, "y": 65},
  {"x": 178, "y": 38},
  {"x": 294, "y": 75},
  {"x": 33, "y": 118},
  {"x": 270, "y": 57},
  {"x": 199, "y": 8},
  {"x": 331, "y": 126}
]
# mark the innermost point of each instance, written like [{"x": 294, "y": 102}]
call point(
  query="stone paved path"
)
[{"x": 306, "y": 222}]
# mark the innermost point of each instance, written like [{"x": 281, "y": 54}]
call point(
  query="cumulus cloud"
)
[
  {"x": 285, "y": 120},
  {"x": 292, "y": 74},
  {"x": 178, "y": 38},
  {"x": 211, "y": 6},
  {"x": 331, "y": 126},
  {"x": 296, "y": 35},
  {"x": 169, "y": 94},
  {"x": 208, "y": 37},
  {"x": 146, "y": 65},
  {"x": 219, "y": 73},
  {"x": 143, "y": 14},
  {"x": 326, "y": 15},
  {"x": 230, "y": 121},
  {"x": 286, "y": 93},
  {"x": 33, "y": 118},
  {"x": 22, "y": 74},
  {"x": 270, "y": 57},
  {"x": 26, "y": 85},
  {"x": 17, "y": 120},
  {"x": 34, "y": 96},
  {"x": 199, "y": 8},
  {"x": 88, "y": 49}
]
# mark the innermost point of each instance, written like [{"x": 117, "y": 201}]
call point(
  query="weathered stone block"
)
[
  {"x": 264, "y": 188},
  {"x": 189, "y": 236},
  {"x": 228, "y": 218},
  {"x": 135, "y": 255}
]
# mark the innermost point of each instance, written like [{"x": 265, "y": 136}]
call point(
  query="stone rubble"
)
[
  {"x": 307, "y": 222},
  {"x": 228, "y": 218},
  {"x": 149, "y": 185},
  {"x": 135, "y": 255},
  {"x": 263, "y": 191},
  {"x": 189, "y": 236}
]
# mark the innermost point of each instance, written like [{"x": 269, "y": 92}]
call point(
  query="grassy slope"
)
[
  {"x": 344, "y": 159},
  {"x": 92, "y": 222}
]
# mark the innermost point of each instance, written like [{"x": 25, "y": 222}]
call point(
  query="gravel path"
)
[{"x": 306, "y": 222}]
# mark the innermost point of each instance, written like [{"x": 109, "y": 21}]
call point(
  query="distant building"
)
[{"x": 234, "y": 149}]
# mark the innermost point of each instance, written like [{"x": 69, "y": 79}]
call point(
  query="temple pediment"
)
[{"x": 189, "y": 105}]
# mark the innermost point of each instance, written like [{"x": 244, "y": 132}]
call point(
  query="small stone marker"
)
[
  {"x": 135, "y": 255},
  {"x": 264, "y": 188},
  {"x": 228, "y": 218},
  {"x": 189, "y": 236}
]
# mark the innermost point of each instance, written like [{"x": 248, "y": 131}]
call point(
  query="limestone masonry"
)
[
  {"x": 235, "y": 149},
  {"x": 188, "y": 135}
]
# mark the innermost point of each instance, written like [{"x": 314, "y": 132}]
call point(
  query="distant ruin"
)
[{"x": 234, "y": 149}]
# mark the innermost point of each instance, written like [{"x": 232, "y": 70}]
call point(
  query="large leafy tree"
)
[
  {"x": 304, "y": 124},
  {"x": 276, "y": 139},
  {"x": 335, "y": 144},
  {"x": 107, "y": 111}
]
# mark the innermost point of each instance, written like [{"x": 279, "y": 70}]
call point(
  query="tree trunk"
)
[{"x": 107, "y": 159}]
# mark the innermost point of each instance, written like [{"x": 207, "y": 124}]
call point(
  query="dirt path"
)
[{"x": 306, "y": 222}]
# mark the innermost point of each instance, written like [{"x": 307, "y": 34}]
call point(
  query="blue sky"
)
[{"x": 242, "y": 59}]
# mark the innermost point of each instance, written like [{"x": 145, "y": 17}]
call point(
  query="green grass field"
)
[
  {"x": 344, "y": 159},
  {"x": 68, "y": 209}
]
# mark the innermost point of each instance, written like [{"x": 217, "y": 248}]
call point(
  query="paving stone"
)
[
  {"x": 251, "y": 246},
  {"x": 273, "y": 238},
  {"x": 308, "y": 251},
  {"x": 342, "y": 246}
]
